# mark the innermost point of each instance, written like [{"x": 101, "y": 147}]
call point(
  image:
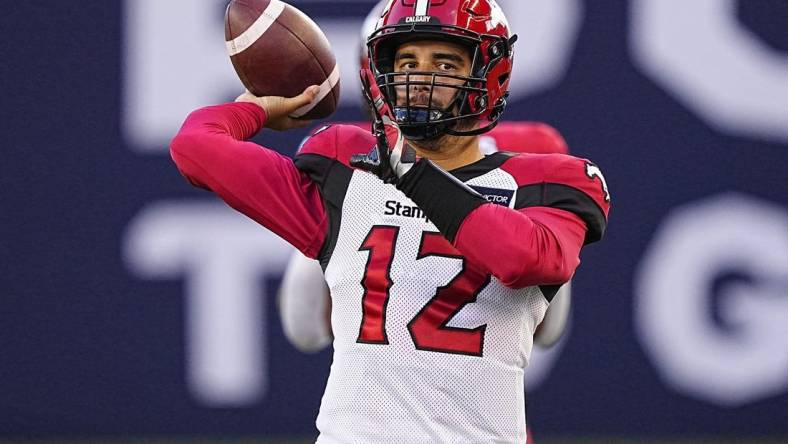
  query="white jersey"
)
[
  {"x": 427, "y": 348},
  {"x": 395, "y": 390}
]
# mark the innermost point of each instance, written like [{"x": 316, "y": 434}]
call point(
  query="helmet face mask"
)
[
  {"x": 427, "y": 104},
  {"x": 479, "y": 97}
]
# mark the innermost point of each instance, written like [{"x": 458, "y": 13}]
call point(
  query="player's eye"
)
[
  {"x": 446, "y": 67},
  {"x": 407, "y": 65}
]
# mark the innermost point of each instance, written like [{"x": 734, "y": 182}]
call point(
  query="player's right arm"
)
[{"x": 211, "y": 150}]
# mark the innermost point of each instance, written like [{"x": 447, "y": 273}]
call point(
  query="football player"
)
[
  {"x": 441, "y": 261},
  {"x": 304, "y": 301}
]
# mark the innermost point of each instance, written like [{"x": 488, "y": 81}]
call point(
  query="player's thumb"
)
[{"x": 305, "y": 98}]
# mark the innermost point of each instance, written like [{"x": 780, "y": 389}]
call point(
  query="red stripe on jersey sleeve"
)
[{"x": 211, "y": 153}]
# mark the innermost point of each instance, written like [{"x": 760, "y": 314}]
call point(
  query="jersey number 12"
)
[{"x": 428, "y": 328}]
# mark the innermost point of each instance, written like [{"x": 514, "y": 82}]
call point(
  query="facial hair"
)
[{"x": 435, "y": 144}]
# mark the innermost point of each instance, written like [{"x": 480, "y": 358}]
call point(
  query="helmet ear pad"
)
[{"x": 495, "y": 65}]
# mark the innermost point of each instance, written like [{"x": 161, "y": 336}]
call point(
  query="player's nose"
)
[{"x": 421, "y": 82}]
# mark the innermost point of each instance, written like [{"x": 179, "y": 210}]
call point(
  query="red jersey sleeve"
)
[
  {"x": 211, "y": 151},
  {"x": 561, "y": 203},
  {"x": 532, "y": 246},
  {"x": 566, "y": 182}
]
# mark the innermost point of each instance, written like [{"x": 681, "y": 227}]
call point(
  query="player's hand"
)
[
  {"x": 279, "y": 109},
  {"x": 392, "y": 157}
]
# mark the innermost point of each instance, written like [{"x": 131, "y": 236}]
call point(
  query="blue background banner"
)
[{"x": 134, "y": 304}]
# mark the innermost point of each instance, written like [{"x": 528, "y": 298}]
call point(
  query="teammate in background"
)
[
  {"x": 304, "y": 300},
  {"x": 440, "y": 260}
]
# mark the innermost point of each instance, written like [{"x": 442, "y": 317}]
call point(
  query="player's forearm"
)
[
  {"x": 238, "y": 120},
  {"x": 210, "y": 152},
  {"x": 512, "y": 246},
  {"x": 535, "y": 246}
]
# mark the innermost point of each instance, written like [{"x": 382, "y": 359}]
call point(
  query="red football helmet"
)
[{"x": 481, "y": 26}]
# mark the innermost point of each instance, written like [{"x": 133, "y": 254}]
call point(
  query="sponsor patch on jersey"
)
[
  {"x": 495, "y": 195},
  {"x": 394, "y": 208}
]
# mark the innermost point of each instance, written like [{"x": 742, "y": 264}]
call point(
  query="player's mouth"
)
[{"x": 422, "y": 100}]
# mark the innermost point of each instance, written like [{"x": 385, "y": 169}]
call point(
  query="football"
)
[{"x": 278, "y": 50}]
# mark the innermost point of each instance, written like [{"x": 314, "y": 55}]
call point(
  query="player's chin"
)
[
  {"x": 435, "y": 144},
  {"x": 440, "y": 142},
  {"x": 466, "y": 124}
]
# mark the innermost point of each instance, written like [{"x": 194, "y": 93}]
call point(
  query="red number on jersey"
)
[
  {"x": 428, "y": 329},
  {"x": 380, "y": 243}
]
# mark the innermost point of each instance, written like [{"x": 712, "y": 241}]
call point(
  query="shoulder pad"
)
[
  {"x": 337, "y": 142},
  {"x": 562, "y": 181}
]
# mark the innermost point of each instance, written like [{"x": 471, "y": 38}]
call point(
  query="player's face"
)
[{"x": 429, "y": 56}]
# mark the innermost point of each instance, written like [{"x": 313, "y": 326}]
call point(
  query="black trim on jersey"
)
[
  {"x": 565, "y": 197},
  {"x": 481, "y": 167},
  {"x": 333, "y": 178},
  {"x": 549, "y": 291},
  {"x": 419, "y": 255},
  {"x": 443, "y": 198}
]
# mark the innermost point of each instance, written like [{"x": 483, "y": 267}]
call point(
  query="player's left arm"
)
[
  {"x": 538, "y": 242},
  {"x": 305, "y": 305}
]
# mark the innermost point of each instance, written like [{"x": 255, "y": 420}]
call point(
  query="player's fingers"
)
[
  {"x": 246, "y": 96},
  {"x": 305, "y": 98}
]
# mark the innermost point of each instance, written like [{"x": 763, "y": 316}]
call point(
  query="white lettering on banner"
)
[
  {"x": 548, "y": 31},
  {"x": 698, "y": 52},
  {"x": 742, "y": 358},
  {"x": 221, "y": 256},
  {"x": 175, "y": 59}
]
